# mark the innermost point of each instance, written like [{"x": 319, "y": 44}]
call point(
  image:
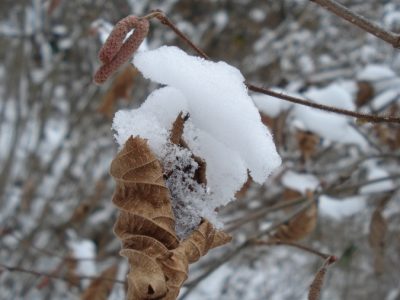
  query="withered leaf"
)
[
  {"x": 300, "y": 226},
  {"x": 146, "y": 226}
]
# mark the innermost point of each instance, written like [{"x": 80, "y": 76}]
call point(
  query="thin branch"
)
[
  {"x": 361, "y": 22},
  {"x": 54, "y": 276},
  {"x": 275, "y": 242},
  {"x": 362, "y": 116}
]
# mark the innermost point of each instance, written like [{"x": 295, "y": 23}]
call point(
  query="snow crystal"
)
[
  {"x": 224, "y": 128},
  {"x": 300, "y": 182},
  {"x": 340, "y": 208}
]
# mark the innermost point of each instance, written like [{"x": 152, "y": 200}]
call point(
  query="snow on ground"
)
[{"x": 224, "y": 128}]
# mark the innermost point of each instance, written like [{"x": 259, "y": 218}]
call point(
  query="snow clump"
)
[{"x": 224, "y": 128}]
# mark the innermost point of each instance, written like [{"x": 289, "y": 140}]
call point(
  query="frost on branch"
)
[{"x": 223, "y": 128}]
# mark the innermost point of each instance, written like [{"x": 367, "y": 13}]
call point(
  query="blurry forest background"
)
[{"x": 56, "y": 146}]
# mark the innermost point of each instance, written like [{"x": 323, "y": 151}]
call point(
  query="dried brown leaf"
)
[
  {"x": 365, "y": 93},
  {"x": 146, "y": 226},
  {"x": 299, "y": 227},
  {"x": 101, "y": 287},
  {"x": 307, "y": 142},
  {"x": 243, "y": 190}
]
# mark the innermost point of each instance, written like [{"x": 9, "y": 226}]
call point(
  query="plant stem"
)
[{"x": 361, "y": 22}]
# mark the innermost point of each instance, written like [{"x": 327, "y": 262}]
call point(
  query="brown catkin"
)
[
  {"x": 115, "y": 52},
  {"x": 314, "y": 292}
]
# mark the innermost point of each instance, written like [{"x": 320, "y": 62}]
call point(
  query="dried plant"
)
[
  {"x": 115, "y": 51},
  {"x": 298, "y": 227},
  {"x": 146, "y": 226},
  {"x": 315, "y": 287}
]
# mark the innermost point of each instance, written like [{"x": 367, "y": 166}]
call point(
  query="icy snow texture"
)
[{"x": 224, "y": 127}]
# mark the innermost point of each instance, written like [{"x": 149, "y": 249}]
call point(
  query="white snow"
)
[
  {"x": 384, "y": 99},
  {"x": 85, "y": 252},
  {"x": 376, "y": 72},
  {"x": 331, "y": 126},
  {"x": 340, "y": 208},
  {"x": 375, "y": 172},
  {"x": 224, "y": 127},
  {"x": 271, "y": 106},
  {"x": 299, "y": 181}
]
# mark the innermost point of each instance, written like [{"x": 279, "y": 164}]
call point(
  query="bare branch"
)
[
  {"x": 305, "y": 248},
  {"x": 361, "y": 22},
  {"x": 54, "y": 276},
  {"x": 364, "y": 117}
]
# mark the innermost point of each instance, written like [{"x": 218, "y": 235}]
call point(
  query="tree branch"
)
[
  {"x": 364, "y": 117},
  {"x": 292, "y": 244},
  {"x": 361, "y": 22},
  {"x": 54, "y": 276}
]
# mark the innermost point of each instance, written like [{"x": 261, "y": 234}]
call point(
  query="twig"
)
[
  {"x": 365, "y": 117},
  {"x": 315, "y": 287},
  {"x": 361, "y": 22},
  {"x": 275, "y": 242},
  {"x": 54, "y": 276}
]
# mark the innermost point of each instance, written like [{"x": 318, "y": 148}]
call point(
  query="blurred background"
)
[{"x": 56, "y": 145}]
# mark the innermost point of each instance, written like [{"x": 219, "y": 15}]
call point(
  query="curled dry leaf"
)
[
  {"x": 101, "y": 287},
  {"x": 365, "y": 93},
  {"x": 146, "y": 226},
  {"x": 299, "y": 227}
]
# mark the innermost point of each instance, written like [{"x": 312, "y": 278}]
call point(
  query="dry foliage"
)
[
  {"x": 365, "y": 93},
  {"x": 146, "y": 225},
  {"x": 298, "y": 227},
  {"x": 101, "y": 287},
  {"x": 308, "y": 143}
]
